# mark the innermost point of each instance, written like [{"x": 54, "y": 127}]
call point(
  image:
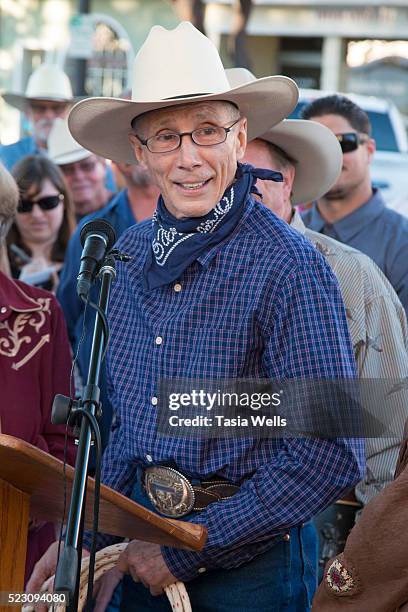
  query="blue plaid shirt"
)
[{"x": 263, "y": 303}]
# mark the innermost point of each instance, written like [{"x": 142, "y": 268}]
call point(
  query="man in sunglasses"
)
[{"x": 352, "y": 211}]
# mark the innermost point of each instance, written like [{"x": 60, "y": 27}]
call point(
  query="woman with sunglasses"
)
[
  {"x": 45, "y": 221},
  {"x": 35, "y": 364}
]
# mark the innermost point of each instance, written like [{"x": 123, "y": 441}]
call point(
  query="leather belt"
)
[{"x": 173, "y": 495}]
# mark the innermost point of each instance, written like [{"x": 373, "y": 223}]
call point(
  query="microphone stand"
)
[{"x": 67, "y": 573}]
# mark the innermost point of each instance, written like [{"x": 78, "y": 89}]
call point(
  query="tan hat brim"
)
[
  {"x": 71, "y": 157},
  {"x": 102, "y": 125},
  {"x": 21, "y": 101},
  {"x": 317, "y": 153}
]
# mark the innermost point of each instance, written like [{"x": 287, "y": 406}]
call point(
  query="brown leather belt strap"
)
[{"x": 212, "y": 491}]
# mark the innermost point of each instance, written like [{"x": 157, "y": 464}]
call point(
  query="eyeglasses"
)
[
  {"x": 350, "y": 141},
  {"x": 47, "y": 203},
  {"x": 58, "y": 108},
  {"x": 86, "y": 166},
  {"x": 204, "y": 137}
]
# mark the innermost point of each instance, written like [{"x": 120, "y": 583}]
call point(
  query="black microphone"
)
[{"x": 97, "y": 238}]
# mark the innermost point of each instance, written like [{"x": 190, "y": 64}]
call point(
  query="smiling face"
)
[
  {"x": 40, "y": 226},
  {"x": 192, "y": 179},
  {"x": 86, "y": 181}
]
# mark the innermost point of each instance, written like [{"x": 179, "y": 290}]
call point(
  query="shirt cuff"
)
[{"x": 185, "y": 564}]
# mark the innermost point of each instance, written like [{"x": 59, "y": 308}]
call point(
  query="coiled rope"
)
[{"x": 105, "y": 560}]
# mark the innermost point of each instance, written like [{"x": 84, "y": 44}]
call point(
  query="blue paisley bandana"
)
[{"x": 177, "y": 243}]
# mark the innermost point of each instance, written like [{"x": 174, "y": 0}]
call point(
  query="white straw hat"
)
[
  {"x": 48, "y": 82},
  {"x": 176, "y": 67},
  {"x": 62, "y": 148},
  {"x": 314, "y": 147}
]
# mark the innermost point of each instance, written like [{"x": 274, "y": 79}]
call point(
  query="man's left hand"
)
[{"x": 144, "y": 562}]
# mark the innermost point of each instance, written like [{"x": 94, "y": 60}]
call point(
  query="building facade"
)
[{"x": 307, "y": 40}]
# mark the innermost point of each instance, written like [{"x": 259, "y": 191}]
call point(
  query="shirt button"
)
[
  {"x": 159, "y": 340},
  {"x": 149, "y": 459},
  {"x": 286, "y": 537},
  {"x": 177, "y": 287},
  {"x": 154, "y": 401},
  {"x": 3, "y": 309},
  {"x": 201, "y": 570}
]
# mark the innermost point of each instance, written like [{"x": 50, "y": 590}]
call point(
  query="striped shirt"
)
[
  {"x": 378, "y": 329},
  {"x": 262, "y": 303}
]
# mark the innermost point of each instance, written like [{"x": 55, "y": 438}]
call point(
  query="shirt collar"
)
[
  {"x": 297, "y": 223},
  {"x": 14, "y": 297},
  {"x": 346, "y": 228}
]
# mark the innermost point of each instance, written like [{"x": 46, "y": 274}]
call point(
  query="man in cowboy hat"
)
[
  {"x": 217, "y": 288},
  {"x": 310, "y": 159},
  {"x": 84, "y": 172},
  {"x": 48, "y": 95}
]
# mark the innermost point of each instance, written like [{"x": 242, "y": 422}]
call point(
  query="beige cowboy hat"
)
[
  {"x": 62, "y": 148},
  {"x": 176, "y": 67},
  {"x": 314, "y": 147},
  {"x": 47, "y": 82}
]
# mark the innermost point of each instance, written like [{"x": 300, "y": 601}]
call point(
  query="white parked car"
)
[{"x": 389, "y": 169}]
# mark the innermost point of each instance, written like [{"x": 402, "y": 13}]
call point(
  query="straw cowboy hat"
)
[
  {"x": 314, "y": 147},
  {"x": 62, "y": 148},
  {"x": 48, "y": 82},
  {"x": 176, "y": 67}
]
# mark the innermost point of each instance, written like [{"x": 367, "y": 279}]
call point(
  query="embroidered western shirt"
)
[
  {"x": 35, "y": 364},
  {"x": 262, "y": 303},
  {"x": 378, "y": 329}
]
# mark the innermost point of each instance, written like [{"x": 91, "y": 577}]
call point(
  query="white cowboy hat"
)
[
  {"x": 313, "y": 147},
  {"x": 176, "y": 67},
  {"x": 47, "y": 82},
  {"x": 62, "y": 148}
]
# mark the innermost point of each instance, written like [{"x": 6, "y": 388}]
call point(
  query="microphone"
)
[{"x": 97, "y": 238}]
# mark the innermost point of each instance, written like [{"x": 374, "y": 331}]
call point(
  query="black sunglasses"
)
[
  {"x": 47, "y": 203},
  {"x": 350, "y": 141}
]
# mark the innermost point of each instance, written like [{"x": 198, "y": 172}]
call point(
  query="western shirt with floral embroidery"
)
[{"x": 35, "y": 364}]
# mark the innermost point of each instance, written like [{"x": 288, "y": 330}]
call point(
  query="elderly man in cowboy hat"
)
[
  {"x": 48, "y": 95},
  {"x": 218, "y": 288},
  {"x": 84, "y": 172}
]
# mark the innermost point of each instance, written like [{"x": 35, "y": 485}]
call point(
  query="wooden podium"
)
[{"x": 32, "y": 485}]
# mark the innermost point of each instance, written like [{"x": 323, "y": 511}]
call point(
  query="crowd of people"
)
[{"x": 258, "y": 250}]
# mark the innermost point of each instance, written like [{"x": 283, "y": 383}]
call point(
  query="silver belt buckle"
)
[{"x": 169, "y": 491}]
